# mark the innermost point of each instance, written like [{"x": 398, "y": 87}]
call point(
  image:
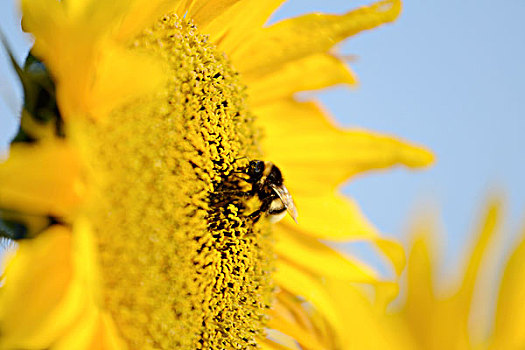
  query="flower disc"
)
[{"x": 161, "y": 205}]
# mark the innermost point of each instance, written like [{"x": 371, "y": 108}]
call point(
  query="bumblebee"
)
[{"x": 267, "y": 184}]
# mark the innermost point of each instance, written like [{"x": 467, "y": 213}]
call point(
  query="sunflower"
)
[
  {"x": 127, "y": 178},
  {"x": 441, "y": 317}
]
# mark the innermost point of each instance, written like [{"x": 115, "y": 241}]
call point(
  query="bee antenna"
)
[
  {"x": 236, "y": 159},
  {"x": 239, "y": 178}
]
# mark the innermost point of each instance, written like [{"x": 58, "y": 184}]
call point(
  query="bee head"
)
[{"x": 255, "y": 170}]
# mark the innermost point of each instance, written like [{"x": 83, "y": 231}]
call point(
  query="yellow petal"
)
[
  {"x": 385, "y": 293},
  {"x": 309, "y": 34},
  {"x": 114, "y": 85},
  {"x": 444, "y": 323},
  {"x": 86, "y": 259},
  {"x": 203, "y": 12},
  {"x": 335, "y": 217},
  {"x": 329, "y": 155},
  {"x": 39, "y": 298},
  {"x": 95, "y": 331},
  {"x": 318, "y": 258},
  {"x": 302, "y": 336},
  {"x": 51, "y": 294},
  {"x": 291, "y": 308},
  {"x": 300, "y": 283},
  {"x": 41, "y": 178},
  {"x": 353, "y": 319},
  {"x": 362, "y": 327},
  {"x": 488, "y": 229},
  {"x": 44, "y": 19},
  {"x": 330, "y": 216},
  {"x": 420, "y": 304},
  {"x": 93, "y": 72},
  {"x": 141, "y": 14},
  {"x": 267, "y": 344},
  {"x": 121, "y": 19},
  {"x": 80, "y": 335},
  {"x": 310, "y": 73},
  {"x": 87, "y": 10},
  {"x": 510, "y": 318},
  {"x": 394, "y": 251},
  {"x": 239, "y": 22},
  {"x": 58, "y": 24}
]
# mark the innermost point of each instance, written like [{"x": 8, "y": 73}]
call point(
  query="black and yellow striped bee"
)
[{"x": 268, "y": 185}]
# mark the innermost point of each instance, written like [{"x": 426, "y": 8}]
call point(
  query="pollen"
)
[{"x": 181, "y": 264}]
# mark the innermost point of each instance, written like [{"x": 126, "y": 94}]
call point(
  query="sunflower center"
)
[{"x": 182, "y": 266}]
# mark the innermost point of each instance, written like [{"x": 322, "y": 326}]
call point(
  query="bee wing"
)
[{"x": 287, "y": 200}]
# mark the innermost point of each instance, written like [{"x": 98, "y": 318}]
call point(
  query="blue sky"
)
[{"x": 448, "y": 75}]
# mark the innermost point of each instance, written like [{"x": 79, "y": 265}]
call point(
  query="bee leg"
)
[
  {"x": 256, "y": 215},
  {"x": 235, "y": 193},
  {"x": 239, "y": 177},
  {"x": 222, "y": 197}
]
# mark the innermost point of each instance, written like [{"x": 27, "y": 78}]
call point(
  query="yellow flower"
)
[
  {"x": 130, "y": 184},
  {"x": 439, "y": 318}
]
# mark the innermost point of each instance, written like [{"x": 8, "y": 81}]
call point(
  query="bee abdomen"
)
[{"x": 277, "y": 211}]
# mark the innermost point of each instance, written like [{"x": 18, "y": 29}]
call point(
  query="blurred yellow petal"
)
[
  {"x": 328, "y": 154},
  {"x": 267, "y": 344},
  {"x": 86, "y": 259},
  {"x": 302, "y": 336},
  {"x": 394, "y": 251},
  {"x": 362, "y": 326},
  {"x": 310, "y": 73},
  {"x": 111, "y": 17},
  {"x": 291, "y": 308},
  {"x": 106, "y": 74},
  {"x": 510, "y": 315},
  {"x": 95, "y": 331},
  {"x": 55, "y": 24},
  {"x": 300, "y": 283},
  {"x": 239, "y": 22},
  {"x": 385, "y": 293},
  {"x": 114, "y": 83},
  {"x": 435, "y": 322},
  {"x": 51, "y": 292},
  {"x": 309, "y": 34},
  {"x": 43, "y": 18},
  {"x": 331, "y": 216},
  {"x": 81, "y": 333},
  {"x": 318, "y": 258},
  {"x": 489, "y": 228},
  {"x": 109, "y": 337},
  {"x": 359, "y": 324},
  {"x": 142, "y": 14},
  {"x": 40, "y": 178},
  {"x": 79, "y": 11},
  {"x": 337, "y": 218},
  {"x": 449, "y": 321},
  {"x": 39, "y": 298},
  {"x": 202, "y": 12},
  {"x": 420, "y": 305}
]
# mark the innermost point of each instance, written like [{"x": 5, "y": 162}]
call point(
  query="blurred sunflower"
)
[
  {"x": 450, "y": 319},
  {"x": 138, "y": 118}
]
